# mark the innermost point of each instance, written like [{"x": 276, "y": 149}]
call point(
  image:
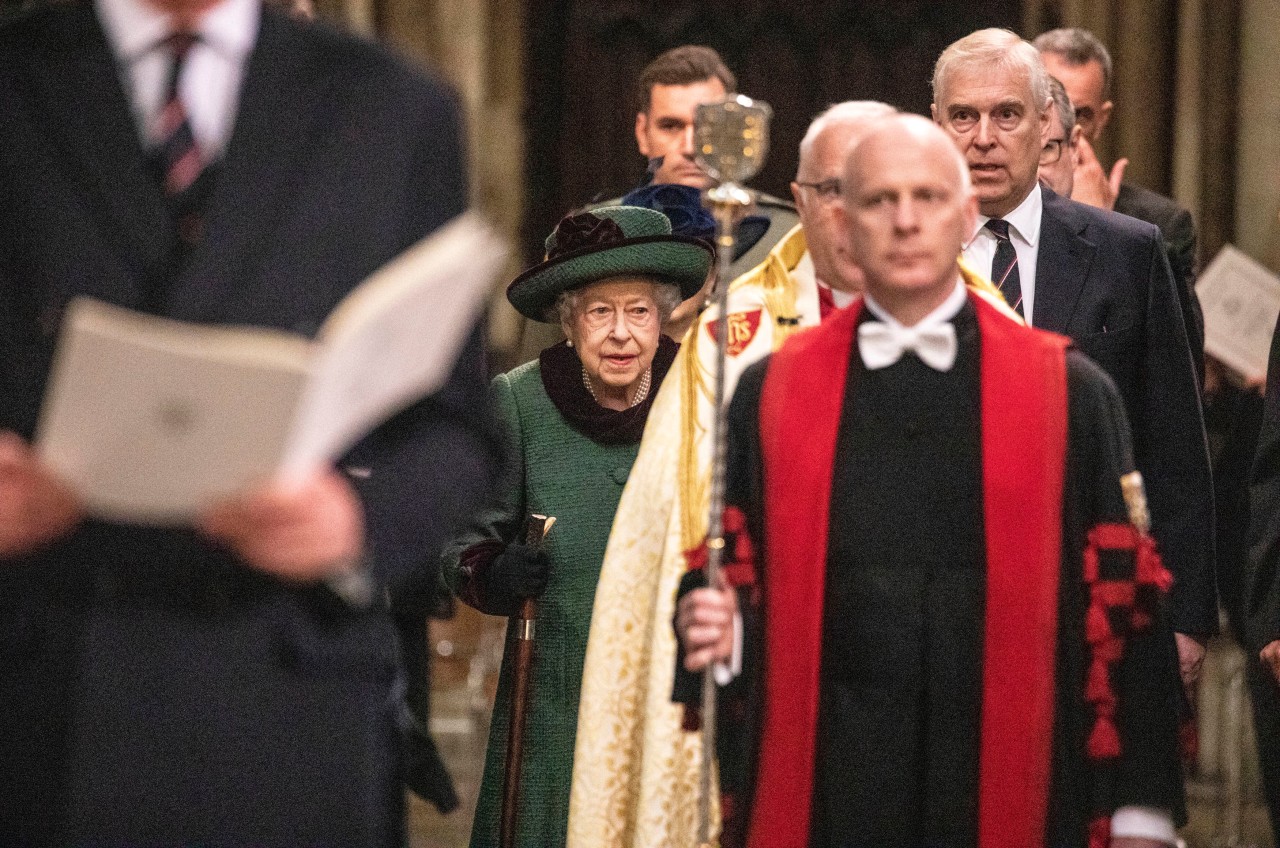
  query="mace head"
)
[{"x": 731, "y": 137}]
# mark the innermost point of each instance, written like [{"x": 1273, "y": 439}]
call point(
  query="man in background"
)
[
  {"x": 1083, "y": 64},
  {"x": 1061, "y": 149},
  {"x": 632, "y": 755},
  {"x": 668, "y": 93},
  {"x": 233, "y": 682}
]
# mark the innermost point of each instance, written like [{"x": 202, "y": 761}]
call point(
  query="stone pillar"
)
[
  {"x": 478, "y": 45},
  {"x": 1257, "y": 171}
]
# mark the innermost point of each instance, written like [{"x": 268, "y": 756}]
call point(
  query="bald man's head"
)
[
  {"x": 908, "y": 209},
  {"x": 817, "y": 187}
]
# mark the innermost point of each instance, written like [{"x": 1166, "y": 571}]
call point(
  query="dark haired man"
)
[{"x": 668, "y": 93}]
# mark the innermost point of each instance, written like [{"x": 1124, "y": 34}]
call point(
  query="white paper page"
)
[
  {"x": 1241, "y": 300},
  {"x": 151, "y": 419},
  {"x": 394, "y": 340}
]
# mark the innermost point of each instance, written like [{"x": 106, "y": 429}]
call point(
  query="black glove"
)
[{"x": 519, "y": 572}]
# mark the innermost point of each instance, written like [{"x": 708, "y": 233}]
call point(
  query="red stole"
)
[
  {"x": 1024, "y": 443},
  {"x": 826, "y": 302}
]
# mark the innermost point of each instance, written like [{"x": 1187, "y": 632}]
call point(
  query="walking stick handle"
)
[{"x": 535, "y": 533}]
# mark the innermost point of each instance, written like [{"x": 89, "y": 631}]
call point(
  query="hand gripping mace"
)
[{"x": 731, "y": 139}]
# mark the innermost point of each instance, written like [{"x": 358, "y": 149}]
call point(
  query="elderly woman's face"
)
[{"x": 614, "y": 328}]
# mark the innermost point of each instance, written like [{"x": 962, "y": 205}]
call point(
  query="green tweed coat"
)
[{"x": 555, "y": 470}]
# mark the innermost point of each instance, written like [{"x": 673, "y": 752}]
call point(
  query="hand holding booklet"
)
[{"x": 151, "y": 419}]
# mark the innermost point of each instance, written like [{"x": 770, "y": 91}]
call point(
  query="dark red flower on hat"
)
[{"x": 576, "y": 232}]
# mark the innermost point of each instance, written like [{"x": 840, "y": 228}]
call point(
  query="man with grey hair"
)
[
  {"x": 1061, "y": 148},
  {"x": 912, "y": 603},
  {"x": 1083, "y": 64},
  {"x": 1098, "y": 277}
]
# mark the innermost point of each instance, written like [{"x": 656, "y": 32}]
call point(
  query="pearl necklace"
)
[{"x": 641, "y": 393}]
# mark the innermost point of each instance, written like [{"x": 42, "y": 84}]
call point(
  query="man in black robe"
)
[{"x": 956, "y": 636}]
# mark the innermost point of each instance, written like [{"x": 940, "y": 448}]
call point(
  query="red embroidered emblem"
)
[{"x": 742, "y": 329}]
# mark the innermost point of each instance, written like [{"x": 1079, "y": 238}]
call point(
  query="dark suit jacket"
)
[
  {"x": 1103, "y": 279},
  {"x": 1179, "y": 233},
  {"x": 1261, "y": 590},
  {"x": 154, "y": 690},
  {"x": 1260, "y": 607}
]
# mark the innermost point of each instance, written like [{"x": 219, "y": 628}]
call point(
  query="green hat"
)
[{"x": 612, "y": 241}]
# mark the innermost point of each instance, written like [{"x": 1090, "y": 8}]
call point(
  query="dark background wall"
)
[{"x": 583, "y": 56}]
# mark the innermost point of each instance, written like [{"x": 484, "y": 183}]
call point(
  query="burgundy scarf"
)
[{"x": 562, "y": 378}]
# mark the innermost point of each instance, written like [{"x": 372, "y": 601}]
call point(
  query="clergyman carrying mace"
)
[
  {"x": 536, "y": 531},
  {"x": 731, "y": 138}
]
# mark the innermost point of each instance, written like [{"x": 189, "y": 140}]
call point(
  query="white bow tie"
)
[{"x": 882, "y": 345}]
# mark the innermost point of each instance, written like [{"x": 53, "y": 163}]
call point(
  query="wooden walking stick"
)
[
  {"x": 732, "y": 137},
  {"x": 536, "y": 531}
]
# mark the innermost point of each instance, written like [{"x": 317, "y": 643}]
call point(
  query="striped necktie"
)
[
  {"x": 178, "y": 154},
  {"x": 1004, "y": 265}
]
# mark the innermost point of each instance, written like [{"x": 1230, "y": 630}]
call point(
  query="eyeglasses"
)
[
  {"x": 1052, "y": 151},
  {"x": 826, "y": 189},
  {"x": 636, "y": 315}
]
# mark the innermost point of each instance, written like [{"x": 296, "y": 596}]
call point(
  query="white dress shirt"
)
[
  {"x": 1024, "y": 232},
  {"x": 210, "y": 83},
  {"x": 941, "y": 314}
]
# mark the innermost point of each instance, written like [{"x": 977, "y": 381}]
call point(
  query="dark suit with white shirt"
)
[
  {"x": 153, "y": 690},
  {"x": 1104, "y": 280}
]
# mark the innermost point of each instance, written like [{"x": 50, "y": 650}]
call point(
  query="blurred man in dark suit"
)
[
  {"x": 232, "y": 683},
  {"x": 1258, "y": 612}
]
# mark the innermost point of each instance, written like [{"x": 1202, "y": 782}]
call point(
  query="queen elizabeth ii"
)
[{"x": 573, "y": 420}]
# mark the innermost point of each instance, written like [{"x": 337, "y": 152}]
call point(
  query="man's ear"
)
[
  {"x": 933, "y": 111},
  {"x": 1045, "y": 121},
  {"x": 1073, "y": 144},
  {"x": 1104, "y": 116},
  {"x": 840, "y": 215},
  {"x": 797, "y": 194},
  {"x": 642, "y": 130}
]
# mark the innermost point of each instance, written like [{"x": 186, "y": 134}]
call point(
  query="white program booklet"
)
[
  {"x": 1241, "y": 300},
  {"x": 151, "y": 419}
]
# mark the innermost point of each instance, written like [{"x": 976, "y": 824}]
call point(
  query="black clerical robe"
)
[{"x": 929, "y": 543}]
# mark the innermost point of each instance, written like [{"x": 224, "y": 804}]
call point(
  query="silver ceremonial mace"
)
[{"x": 731, "y": 138}]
